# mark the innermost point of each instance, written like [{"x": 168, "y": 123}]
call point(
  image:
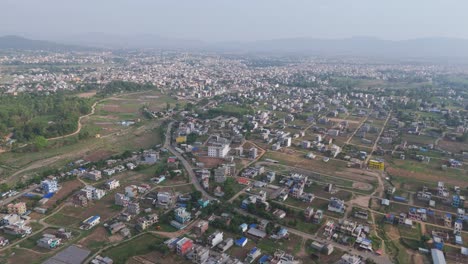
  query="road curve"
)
[{"x": 187, "y": 166}]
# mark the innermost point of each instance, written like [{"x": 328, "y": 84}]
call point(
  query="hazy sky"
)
[{"x": 240, "y": 20}]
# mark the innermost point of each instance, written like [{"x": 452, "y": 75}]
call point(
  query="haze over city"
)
[{"x": 241, "y": 20}]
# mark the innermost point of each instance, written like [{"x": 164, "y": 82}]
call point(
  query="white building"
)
[
  {"x": 215, "y": 238},
  {"x": 112, "y": 184},
  {"x": 218, "y": 147}
]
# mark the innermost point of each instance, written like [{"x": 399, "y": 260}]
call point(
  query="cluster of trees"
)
[{"x": 31, "y": 115}]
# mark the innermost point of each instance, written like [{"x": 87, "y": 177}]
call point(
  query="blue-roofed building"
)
[
  {"x": 253, "y": 254},
  {"x": 48, "y": 195},
  {"x": 265, "y": 259},
  {"x": 90, "y": 222},
  {"x": 253, "y": 226},
  {"x": 241, "y": 242}
]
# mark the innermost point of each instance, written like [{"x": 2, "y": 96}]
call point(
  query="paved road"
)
[
  {"x": 187, "y": 166},
  {"x": 21, "y": 193}
]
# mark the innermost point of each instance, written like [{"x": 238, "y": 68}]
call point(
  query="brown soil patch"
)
[
  {"x": 211, "y": 162},
  {"x": 68, "y": 188},
  {"x": 392, "y": 232},
  {"x": 23, "y": 256},
  {"x": 362, "y": 186},
  {"x": 362, "y": 201},
  {"x": 452, "y": 146},
  {"x": 98, "y": 155},
  {"x": 98, "y": 235},
  {"x": 115, "y": 238},
  {"x": 87, "y": 94}
]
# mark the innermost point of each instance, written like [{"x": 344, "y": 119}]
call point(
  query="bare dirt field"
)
[
  {"x": 99, "y": 234},
  {"x": 423, "y": 176},
  {"x": 68, "y": 188},
  {"x": 362, "y": 186},
  {"x": 87, "y": 94},
  {"x": 453, "y": 146},
  {"x": 211, "y": 162},
  {"x": 98, "y": 155}
]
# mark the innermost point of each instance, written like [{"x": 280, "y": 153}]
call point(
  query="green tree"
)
[{"x": 40, "y": 142}]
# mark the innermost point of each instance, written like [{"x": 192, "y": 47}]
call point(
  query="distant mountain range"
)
[
  {"x": 20, "y": 43},
  {"x": 356, "y": 46}
]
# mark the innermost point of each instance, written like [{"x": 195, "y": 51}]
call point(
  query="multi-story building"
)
[
  {"x": 49, "y": 186},
  {"x": 200, "y": 254},
  {"x": 184, "y": 245},
  {"x": 215, "y": 238},
  {"x": 17, "y": 208},
  {"x": 218, "y": 147},
  {"x": 145, "y": 222},
  {"x": 201, "y": 227},
  {"x": 181, "y": 215},
  {"x": 121, "y": 199},
  {"x": 336, "y": 205},
  {"x": 94, "y": 175},
  {"x": 376, "y": 164},
  {"x": 112, "y": 184},
  {"x": 253, "y": 153},
  {"x": 133, "y": 208}
]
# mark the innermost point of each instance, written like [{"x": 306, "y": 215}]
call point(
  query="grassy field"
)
[{"x": 138, "y": 246}]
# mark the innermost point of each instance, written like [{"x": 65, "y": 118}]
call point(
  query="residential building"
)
[
  {"x": 91, "y": 222},
  {"x": 215, "y": 238},
  {"x": 218, "y": 147},
  {"x": 49, "y": 186},
  {"x": 253, "y": 254},
  {"x": 336, "y": 205},
  {"x": 48, "y": 241},
  {"x": 200, "y": 254},
  {"x": 147, "y": 221},
  {"x": 17, "y": 208},
  {"x": 183, "y": 246},
  {"x": 201, "y": 227},
  {"x": 181, "y": 215},
  {"x": 80, "y": 200},
  {"x": 94, "y": 175},
  {"x": 112, "y": 184},
  {"x": 226, "y": 244},
  {"x": 121, "y": 199},
  {"x": 133, "y": 208},
  {"x": 376, "y": 164}
]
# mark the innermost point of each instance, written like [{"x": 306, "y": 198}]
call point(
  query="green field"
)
[{"x": 134, "y": 247}]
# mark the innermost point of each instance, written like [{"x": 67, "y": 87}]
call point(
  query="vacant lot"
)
[
  {"x": 138, "y": 246},
  {"x": 67, "y": 189}
]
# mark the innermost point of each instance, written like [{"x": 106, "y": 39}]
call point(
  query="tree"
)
[
  {"x": 168, "y": 106},
  {"x": 196, "y": 195},
  {"x": 40, "y": 142}
]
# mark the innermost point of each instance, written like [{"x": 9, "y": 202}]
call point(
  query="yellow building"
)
[
  {"x": 18, "y": 208},
  {"x": 181, "y": 139},
  {"x": 376, "y": 164}
]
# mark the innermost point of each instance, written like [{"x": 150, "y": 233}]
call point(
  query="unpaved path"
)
[{"x": 80, "y": 125}]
